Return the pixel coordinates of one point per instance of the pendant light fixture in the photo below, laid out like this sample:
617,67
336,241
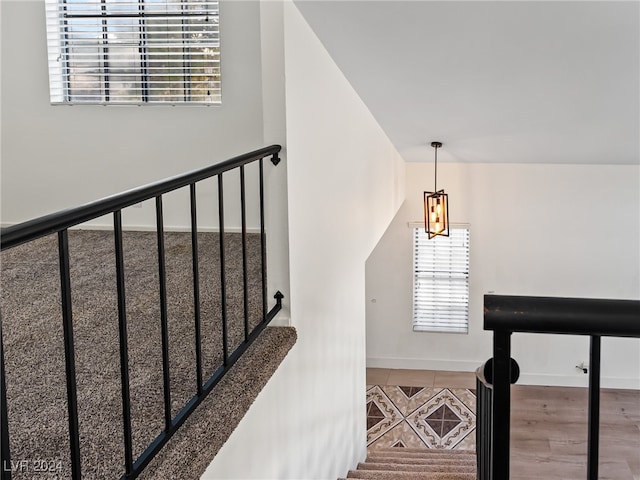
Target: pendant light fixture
436,206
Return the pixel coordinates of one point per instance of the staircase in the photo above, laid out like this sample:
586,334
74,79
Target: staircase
416,464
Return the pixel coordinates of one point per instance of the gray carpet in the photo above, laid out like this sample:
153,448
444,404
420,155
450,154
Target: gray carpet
32,332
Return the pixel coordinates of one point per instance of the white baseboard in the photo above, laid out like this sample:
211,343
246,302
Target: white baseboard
578,380
581,380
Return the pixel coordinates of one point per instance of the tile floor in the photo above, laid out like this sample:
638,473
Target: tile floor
549,424
420,409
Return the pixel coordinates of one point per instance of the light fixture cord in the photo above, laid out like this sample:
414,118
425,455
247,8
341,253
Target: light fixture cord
435,179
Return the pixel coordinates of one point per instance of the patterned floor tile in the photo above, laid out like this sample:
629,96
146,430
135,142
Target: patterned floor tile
382,416
443,422
407,399
420,417
402,435
467,443
468,397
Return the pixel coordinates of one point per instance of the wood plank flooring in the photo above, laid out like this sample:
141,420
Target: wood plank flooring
420,378
549,433
549,426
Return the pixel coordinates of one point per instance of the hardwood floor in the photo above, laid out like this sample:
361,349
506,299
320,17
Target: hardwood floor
420,378
549,426
549,433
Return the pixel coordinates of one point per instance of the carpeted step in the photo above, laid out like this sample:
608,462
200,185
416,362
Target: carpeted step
424,460
399,475
419,453
444,459
416,464
436,467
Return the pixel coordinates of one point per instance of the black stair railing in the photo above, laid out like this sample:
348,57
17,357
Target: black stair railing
505,315
60,222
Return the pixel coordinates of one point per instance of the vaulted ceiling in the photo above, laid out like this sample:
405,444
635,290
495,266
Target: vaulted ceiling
499,81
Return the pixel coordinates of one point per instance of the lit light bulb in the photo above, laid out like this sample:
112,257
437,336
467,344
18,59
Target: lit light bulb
439,207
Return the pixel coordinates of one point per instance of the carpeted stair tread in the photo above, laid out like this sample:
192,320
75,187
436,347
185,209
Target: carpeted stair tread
421,451
411,461
416,464
435,467
416,453
400,475
444,459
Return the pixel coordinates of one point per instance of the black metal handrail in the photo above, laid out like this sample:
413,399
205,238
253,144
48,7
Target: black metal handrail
60,222
573,316
505,315
55,222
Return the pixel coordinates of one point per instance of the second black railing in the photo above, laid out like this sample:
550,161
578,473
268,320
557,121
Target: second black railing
505,315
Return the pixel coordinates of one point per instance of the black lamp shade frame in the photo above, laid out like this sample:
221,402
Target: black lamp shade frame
438,223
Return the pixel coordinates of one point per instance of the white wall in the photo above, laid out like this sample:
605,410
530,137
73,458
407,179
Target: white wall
56,157
542,230
274,126
345,182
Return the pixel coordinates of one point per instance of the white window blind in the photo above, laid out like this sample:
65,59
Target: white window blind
134,51
441,281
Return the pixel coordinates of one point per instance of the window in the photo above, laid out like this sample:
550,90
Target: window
133,51
441,281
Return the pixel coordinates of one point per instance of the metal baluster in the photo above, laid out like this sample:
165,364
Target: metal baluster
196,286
482,433
488,448
479,430
124,349
223,278
501,404
245,280
163,314
594,408
488,399
263,244
69,355
5,456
